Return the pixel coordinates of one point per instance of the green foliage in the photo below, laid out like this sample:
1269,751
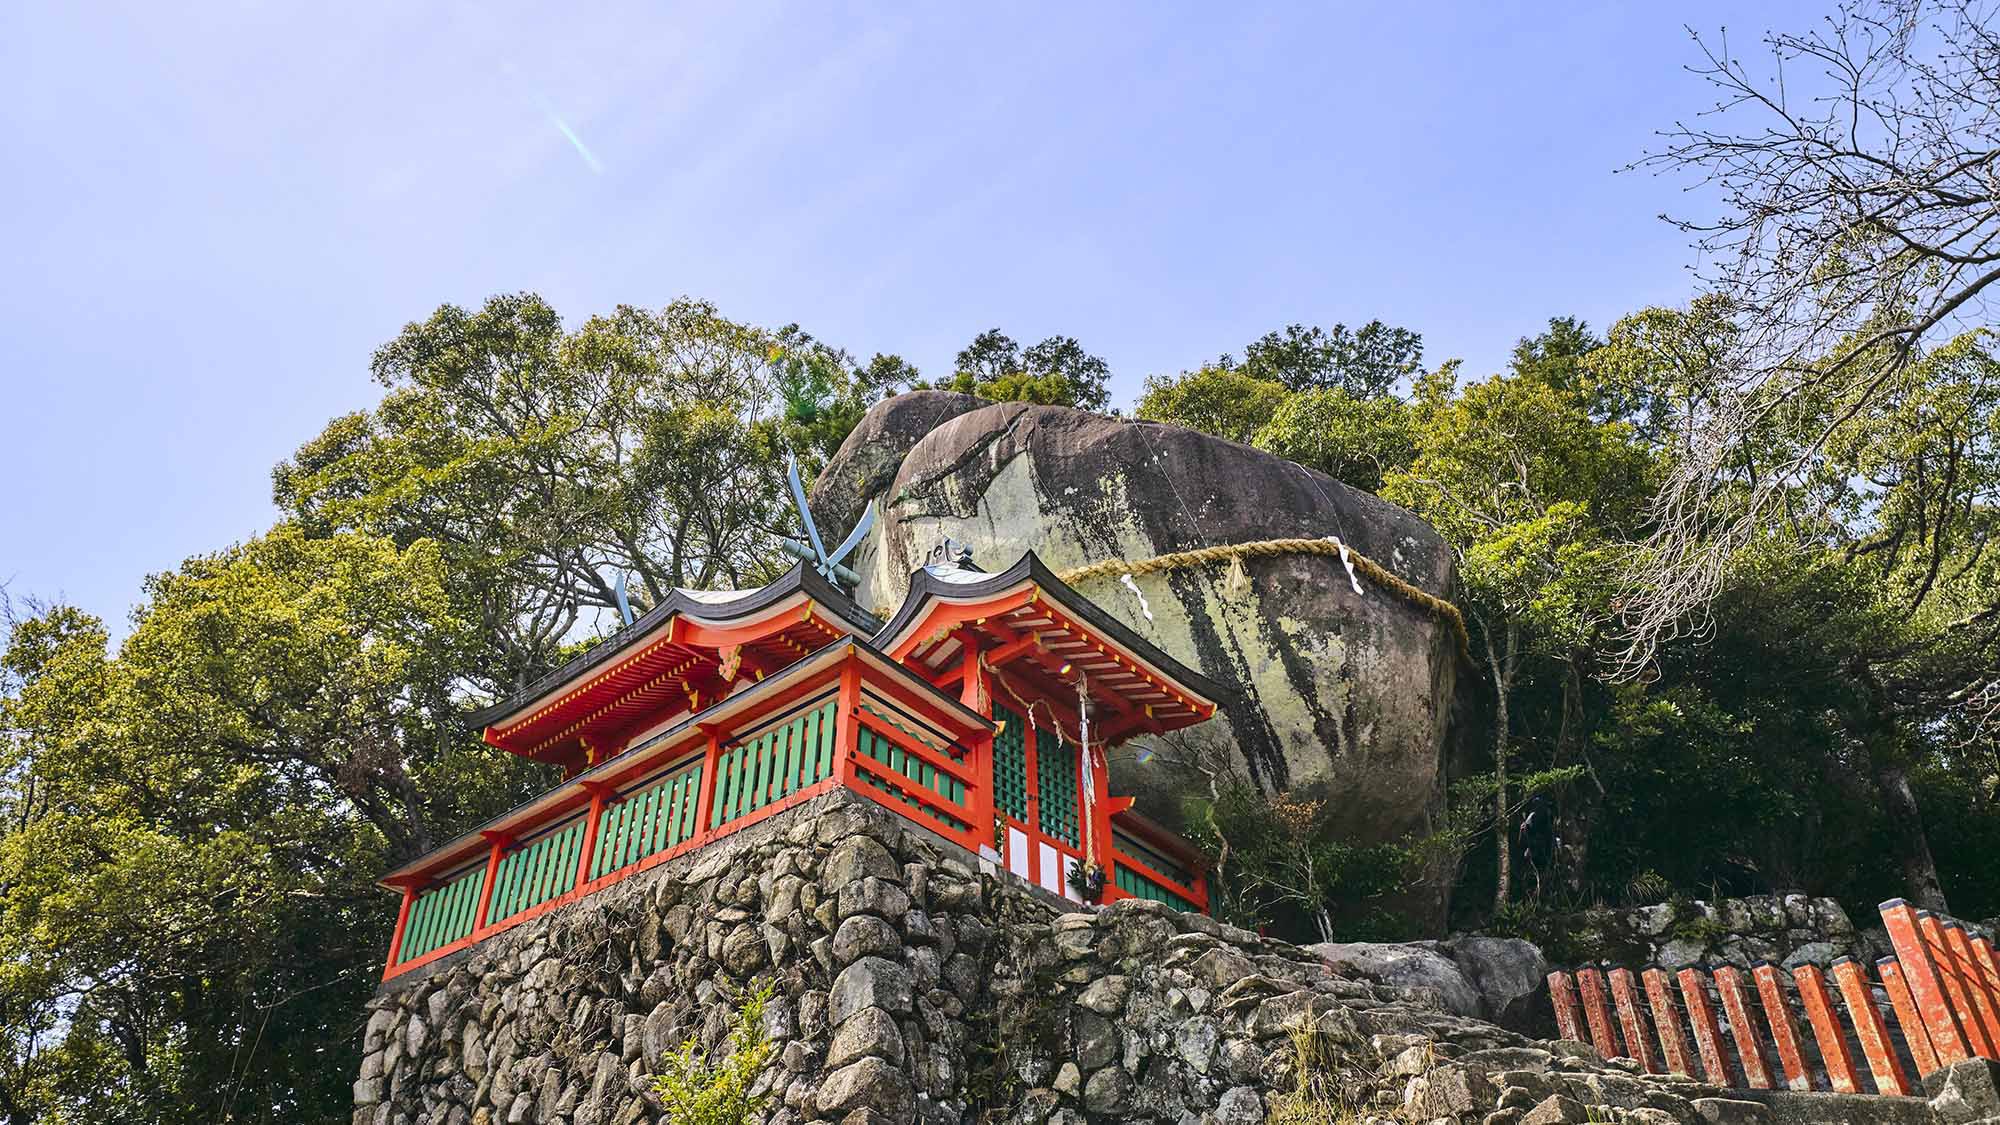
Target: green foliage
694,1091
1283,865
1055,372
194,826
1318,397
1218,400
1360,441
542,462
1365,362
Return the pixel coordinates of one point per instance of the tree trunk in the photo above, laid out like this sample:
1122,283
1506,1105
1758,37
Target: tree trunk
1881,741
1913,846
1502,665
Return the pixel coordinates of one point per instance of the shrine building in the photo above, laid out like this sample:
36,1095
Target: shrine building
981,711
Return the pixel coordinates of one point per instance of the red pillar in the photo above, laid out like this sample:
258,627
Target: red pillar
1729,985
1707,1034
402,923
1569,1015
1031,784
1869,1028
1952,975
1597,1012
1637,1042
847,728
1833,1050
974,694
1975,986
704,799
1908,1018
1667,1021
1926,984
1784,1030
589,850
499,844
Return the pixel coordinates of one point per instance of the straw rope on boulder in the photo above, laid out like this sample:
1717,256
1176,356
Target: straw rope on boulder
1375,572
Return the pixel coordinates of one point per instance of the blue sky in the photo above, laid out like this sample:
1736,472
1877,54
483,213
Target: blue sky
210,216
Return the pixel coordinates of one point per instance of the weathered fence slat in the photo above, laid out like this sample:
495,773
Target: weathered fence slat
1701,1017
1666,1020
1597,1012
1784,1029
1638,1044
1729,985
1869,1028
1833,1052
1569,1016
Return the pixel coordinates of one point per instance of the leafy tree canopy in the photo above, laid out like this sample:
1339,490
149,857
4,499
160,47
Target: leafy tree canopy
1364,362
1055,372
1223,401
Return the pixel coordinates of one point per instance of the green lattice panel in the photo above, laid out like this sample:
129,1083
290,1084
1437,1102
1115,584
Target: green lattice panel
774,764
442,915
1157,860
1137,885
1010,765
648,821
895,759
532,875
1055,775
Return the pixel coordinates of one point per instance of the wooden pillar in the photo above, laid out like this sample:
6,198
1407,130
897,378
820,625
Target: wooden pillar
1638,1044
1915,1034
974,694
1953,979
1031,802
1980,999
704,798
1784,1029
847,724
497,851
1667,1021
1597,1013
1707,1033
1833,1051
587,853
1569,1013
1926,986
402,924
1869,1028
1729,985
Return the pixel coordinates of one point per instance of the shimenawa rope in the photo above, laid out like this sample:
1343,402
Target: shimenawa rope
1275,548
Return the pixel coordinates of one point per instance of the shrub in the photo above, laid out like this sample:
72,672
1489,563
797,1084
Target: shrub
697,1092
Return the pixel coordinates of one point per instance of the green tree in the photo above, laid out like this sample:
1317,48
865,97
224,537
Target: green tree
1537,499
1216,400
1365,362
190,921
1055,372
543,463
1357,440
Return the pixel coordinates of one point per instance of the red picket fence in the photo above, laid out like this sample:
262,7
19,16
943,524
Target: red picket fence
1934,1003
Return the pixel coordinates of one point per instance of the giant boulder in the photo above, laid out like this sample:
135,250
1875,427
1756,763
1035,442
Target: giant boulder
1343,695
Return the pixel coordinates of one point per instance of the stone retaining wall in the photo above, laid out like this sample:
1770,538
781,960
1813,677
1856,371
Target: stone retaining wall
911,986
1784,929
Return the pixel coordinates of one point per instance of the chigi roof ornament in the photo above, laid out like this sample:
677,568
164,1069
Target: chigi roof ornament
950,552
828,565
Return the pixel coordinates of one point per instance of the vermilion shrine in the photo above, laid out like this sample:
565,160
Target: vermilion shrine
980,711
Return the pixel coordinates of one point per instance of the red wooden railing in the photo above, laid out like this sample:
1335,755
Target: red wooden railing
851,724
1935,1002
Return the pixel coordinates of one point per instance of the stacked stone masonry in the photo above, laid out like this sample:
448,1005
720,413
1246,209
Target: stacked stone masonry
912,986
